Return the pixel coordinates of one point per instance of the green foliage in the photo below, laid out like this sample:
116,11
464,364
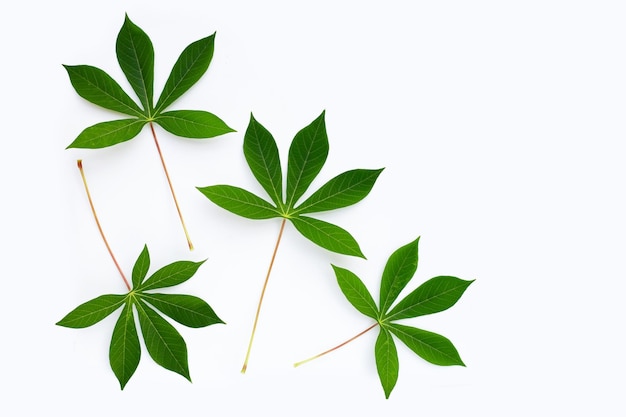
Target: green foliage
307,154
135,56
163,342
433,296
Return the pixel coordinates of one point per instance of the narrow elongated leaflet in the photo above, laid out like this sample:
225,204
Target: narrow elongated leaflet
140,270
387,362
190,66
261,152
356,292
98,87
188,310
92,311
436,294
163,342
430,346
125,352
307,155
398,271
135,55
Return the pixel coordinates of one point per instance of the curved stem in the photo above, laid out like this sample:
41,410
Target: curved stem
336,347
95,216
258,309
167,175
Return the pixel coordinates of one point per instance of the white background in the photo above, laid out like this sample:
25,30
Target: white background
501,125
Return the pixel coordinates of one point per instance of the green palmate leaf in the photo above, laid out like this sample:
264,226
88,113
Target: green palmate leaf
399,270
307,155
135,55
194,124
140,270
125,352
170,275
327,235
261,152
188,310
435,295
165,345
386,361
188,69
342,191
98,87
91,312
239,201
356,292
429,346
106,134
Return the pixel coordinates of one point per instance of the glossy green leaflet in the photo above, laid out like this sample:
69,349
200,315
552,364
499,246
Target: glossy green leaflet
307,155
135,55
433,296
164,344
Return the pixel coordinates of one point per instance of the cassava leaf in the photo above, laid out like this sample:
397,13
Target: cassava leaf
188,310
91,312
188,69
307,155
125,352
239,201
140,270
164,344
344,190
399,270
429,346
356,292
135,55
106,134
327,235
261,152
387,362
435,295
170,275
98,87
195,124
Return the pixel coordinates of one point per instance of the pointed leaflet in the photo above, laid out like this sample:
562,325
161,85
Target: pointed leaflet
190,66
261,152
195,124
91,312
106,134
188,310
125,352
140,270
435,295
429,346
239,201
165,345
98,87
170,275
356,292
342,191
399,270
307,155
327,235
386,361
135,55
